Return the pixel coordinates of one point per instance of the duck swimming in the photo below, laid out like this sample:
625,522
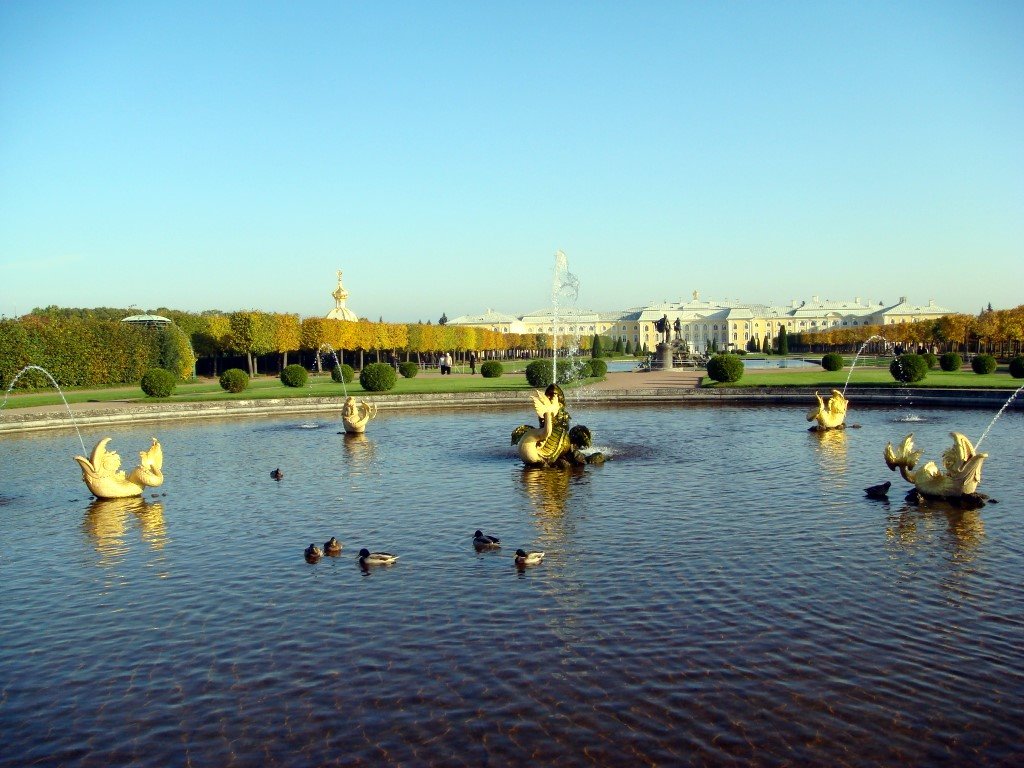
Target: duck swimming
482,541
313,553
366,557
528,558
277,474
332,548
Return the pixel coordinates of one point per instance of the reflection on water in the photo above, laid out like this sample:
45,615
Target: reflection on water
962,530
107,521
360,451
831,450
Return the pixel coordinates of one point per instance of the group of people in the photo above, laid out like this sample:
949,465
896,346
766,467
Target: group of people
445,363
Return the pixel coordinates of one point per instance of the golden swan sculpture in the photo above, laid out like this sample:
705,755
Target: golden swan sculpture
355,416
961,467
829,415
103,476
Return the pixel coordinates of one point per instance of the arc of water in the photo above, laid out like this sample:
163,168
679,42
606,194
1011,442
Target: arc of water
995,418
334,354
856,357
60,392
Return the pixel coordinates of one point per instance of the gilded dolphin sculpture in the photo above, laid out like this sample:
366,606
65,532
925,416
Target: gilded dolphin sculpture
829,415
103,476
961,467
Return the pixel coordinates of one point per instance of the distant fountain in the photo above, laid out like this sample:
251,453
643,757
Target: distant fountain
564,286
56,386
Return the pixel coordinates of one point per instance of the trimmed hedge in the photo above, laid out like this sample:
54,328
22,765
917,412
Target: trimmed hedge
157,382
982,364
492,369
931,359
1017,367
408,369
294,376
234,380
951,361
377,377
725,368
909,368
539,373
598,368
343,373
833,361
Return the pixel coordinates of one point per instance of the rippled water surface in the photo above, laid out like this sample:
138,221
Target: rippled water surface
721,592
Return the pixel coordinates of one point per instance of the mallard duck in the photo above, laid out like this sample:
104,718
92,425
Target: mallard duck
332,547
528,558
366,557
482,541
277,474
313,553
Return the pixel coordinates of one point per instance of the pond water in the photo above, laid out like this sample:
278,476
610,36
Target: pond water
720,592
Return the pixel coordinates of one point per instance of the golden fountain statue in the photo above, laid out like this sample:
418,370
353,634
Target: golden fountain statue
553,443
355,416
106,480
829,415
961,471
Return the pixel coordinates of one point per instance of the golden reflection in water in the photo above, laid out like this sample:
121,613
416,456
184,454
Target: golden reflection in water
916,525
107,521
832,451
360,451
548,489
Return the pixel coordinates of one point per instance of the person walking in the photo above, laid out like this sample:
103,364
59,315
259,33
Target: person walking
472,363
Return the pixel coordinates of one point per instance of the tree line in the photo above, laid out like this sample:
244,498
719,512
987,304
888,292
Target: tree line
86,347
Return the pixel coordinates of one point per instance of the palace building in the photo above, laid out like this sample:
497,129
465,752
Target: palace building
728,324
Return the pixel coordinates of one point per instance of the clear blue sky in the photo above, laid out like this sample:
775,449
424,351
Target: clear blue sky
235,155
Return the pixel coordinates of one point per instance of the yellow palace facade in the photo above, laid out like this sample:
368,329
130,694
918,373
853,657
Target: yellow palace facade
700,322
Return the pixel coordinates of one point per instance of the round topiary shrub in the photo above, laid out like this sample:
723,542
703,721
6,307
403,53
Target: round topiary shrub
983,364
833,361
234,380
725,368
377,377
157,382
1017,367
584,370
931,359
294,376
539,373
408,369
908,368
343,373
950,361
598,368
492,369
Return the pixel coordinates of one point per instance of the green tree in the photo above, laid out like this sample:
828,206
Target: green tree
783,341
595,346
252,335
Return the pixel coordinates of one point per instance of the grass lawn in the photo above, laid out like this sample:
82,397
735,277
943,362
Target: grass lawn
870,377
